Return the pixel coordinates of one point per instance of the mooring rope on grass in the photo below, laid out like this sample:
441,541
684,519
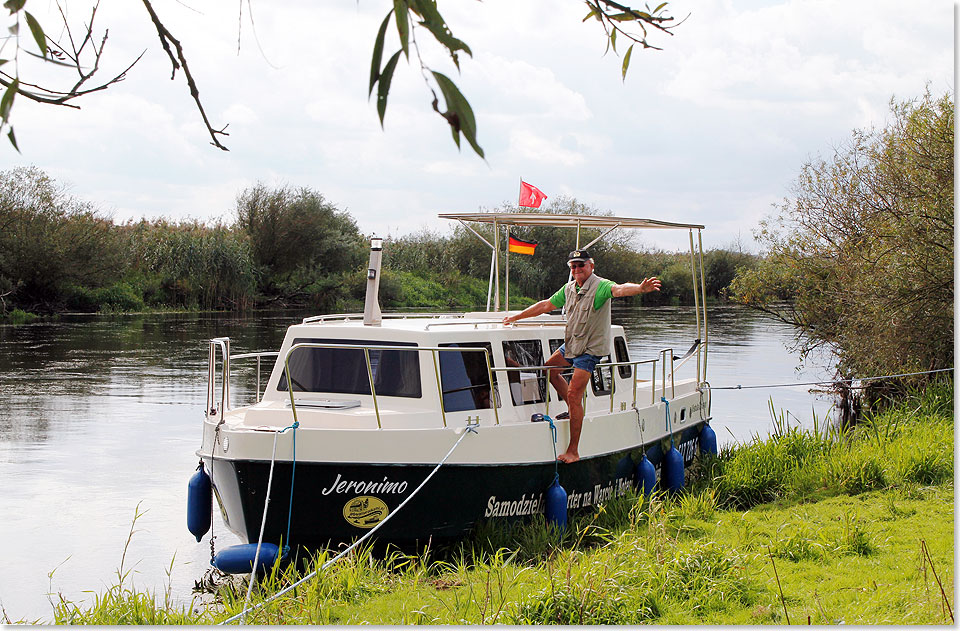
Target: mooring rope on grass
830,383
266,506
246,610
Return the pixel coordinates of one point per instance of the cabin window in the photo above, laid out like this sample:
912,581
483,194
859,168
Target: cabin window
600,379
623,355
464,378
554,345
396,373
525,386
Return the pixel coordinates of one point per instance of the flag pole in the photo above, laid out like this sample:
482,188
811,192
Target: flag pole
493,259
506,291
496,252
506,288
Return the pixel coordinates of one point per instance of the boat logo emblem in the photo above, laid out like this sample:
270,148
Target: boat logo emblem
365,511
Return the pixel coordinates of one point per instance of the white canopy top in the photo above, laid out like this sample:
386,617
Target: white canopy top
567,221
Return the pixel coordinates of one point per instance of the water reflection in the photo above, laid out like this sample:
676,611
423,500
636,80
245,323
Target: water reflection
745,348
103,413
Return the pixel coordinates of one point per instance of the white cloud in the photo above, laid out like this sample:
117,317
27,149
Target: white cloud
240,115
550,151
518,89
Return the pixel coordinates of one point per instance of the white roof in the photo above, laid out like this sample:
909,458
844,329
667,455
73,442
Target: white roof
567,221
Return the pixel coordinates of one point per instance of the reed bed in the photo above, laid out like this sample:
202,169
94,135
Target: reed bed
810,526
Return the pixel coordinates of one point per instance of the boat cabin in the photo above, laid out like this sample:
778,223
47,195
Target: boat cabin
429,371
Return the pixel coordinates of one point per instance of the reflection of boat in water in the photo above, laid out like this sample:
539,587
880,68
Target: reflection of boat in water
359,410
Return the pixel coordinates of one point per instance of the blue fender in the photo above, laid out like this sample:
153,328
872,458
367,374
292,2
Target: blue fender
708,440
239,559
198,503
646,476
671,471
556,505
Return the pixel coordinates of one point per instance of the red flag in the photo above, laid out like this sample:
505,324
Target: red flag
522,247
530,195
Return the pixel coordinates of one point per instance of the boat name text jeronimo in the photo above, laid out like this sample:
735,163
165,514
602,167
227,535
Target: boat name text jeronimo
365,486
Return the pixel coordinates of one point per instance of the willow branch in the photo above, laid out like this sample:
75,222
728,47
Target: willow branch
641,19
50,96
180,61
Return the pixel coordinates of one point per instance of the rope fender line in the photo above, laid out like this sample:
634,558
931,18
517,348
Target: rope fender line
246,610
830,383
553,431
266,506
669,420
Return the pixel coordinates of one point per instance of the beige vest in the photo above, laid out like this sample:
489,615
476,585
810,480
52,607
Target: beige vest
588,330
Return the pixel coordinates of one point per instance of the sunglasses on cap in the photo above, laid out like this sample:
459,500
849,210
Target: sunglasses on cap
575,264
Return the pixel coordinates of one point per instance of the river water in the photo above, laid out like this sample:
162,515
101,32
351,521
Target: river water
101,418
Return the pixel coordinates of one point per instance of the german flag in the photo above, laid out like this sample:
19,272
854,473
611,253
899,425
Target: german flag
522,247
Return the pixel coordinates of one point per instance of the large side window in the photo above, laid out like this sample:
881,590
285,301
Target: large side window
599,380
623,355
601,377
396,373
464,378
554,345
525,386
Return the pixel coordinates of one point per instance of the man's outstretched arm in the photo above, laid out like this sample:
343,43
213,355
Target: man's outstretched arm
539,308
632,289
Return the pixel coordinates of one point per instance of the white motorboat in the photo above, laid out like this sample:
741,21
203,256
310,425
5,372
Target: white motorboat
378,401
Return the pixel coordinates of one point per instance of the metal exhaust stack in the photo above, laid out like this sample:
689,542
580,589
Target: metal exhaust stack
371,308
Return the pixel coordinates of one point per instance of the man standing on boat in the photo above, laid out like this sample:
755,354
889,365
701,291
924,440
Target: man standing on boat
587,338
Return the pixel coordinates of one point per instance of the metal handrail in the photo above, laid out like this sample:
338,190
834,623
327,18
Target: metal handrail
224,344
612,365
258,355
394,316
663,369
497,320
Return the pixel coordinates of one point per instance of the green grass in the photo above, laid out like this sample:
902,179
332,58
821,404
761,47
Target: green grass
811,526
19,316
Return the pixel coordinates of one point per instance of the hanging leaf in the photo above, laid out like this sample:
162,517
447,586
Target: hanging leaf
6,103
459,114
50,60
37,32
434,22
13,140
378,53
14,5
384,88
401,10
626,61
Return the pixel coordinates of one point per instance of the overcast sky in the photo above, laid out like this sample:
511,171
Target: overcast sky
712,129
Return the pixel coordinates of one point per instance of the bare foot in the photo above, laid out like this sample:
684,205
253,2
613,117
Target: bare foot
568,457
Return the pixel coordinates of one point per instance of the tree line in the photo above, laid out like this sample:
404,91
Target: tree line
860,256
284,247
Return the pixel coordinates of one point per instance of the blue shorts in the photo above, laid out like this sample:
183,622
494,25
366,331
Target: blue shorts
584,362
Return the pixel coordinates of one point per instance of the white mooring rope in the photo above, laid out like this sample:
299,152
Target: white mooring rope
830,383
263,522
246,610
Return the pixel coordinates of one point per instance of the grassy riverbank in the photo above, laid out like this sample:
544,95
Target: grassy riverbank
811,526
